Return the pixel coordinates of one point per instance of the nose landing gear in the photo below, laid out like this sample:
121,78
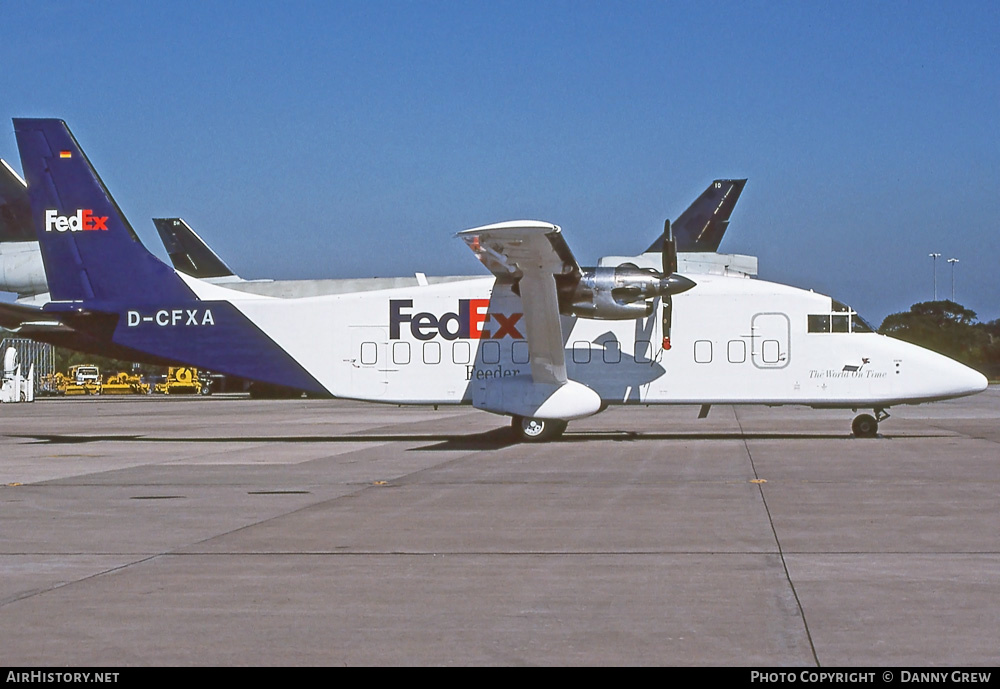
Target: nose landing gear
866,425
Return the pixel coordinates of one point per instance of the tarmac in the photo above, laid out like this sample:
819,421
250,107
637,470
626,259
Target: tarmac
230,531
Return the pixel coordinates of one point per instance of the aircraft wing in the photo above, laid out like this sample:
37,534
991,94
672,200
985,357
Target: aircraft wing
531,254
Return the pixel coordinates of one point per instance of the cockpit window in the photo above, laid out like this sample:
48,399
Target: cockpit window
841,319
819,323
860,325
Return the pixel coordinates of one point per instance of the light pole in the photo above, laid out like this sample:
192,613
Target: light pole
953,261
934,258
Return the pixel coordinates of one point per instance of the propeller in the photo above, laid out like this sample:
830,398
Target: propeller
669,268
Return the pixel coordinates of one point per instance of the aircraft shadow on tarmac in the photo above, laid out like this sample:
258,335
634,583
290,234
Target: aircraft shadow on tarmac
494,439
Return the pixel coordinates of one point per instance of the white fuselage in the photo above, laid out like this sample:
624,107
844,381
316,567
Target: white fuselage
734,340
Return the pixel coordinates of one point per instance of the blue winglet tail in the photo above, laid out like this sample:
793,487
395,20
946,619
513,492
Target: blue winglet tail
702,225
188,252
89,248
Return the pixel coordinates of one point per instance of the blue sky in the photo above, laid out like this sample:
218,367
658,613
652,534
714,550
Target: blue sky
342,139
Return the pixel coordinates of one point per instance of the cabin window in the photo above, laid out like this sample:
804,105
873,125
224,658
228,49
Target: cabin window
519,353
432,352
400,352
703,352
369,353
461,353
642,352
737,351
840,323
612,352
581,352
491,352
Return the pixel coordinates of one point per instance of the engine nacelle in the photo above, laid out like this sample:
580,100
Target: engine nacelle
21,268
625,292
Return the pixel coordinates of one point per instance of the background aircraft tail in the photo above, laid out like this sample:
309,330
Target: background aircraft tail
702,225
188,252
15,210
89,249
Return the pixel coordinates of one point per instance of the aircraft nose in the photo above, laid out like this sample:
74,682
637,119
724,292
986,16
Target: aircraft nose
965,380
975,380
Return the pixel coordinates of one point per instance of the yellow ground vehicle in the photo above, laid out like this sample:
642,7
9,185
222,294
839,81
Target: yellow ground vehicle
182,380
124,384
49,384
82,379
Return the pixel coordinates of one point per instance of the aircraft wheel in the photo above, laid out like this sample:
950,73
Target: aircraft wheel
865,426
537,430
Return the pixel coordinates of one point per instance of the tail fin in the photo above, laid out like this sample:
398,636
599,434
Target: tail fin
89,249
188,252
702,225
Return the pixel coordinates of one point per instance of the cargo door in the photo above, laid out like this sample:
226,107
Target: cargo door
369,362
769,340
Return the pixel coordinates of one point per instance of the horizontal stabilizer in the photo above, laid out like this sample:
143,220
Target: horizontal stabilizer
13,316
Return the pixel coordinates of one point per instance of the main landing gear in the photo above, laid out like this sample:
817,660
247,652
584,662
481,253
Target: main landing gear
536,430
866,425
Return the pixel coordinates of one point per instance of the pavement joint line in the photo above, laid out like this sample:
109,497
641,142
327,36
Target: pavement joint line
48,589
777,542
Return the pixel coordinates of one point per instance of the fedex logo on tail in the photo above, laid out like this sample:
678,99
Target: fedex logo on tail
84,220
472,321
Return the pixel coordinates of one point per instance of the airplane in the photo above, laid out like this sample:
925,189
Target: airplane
542,340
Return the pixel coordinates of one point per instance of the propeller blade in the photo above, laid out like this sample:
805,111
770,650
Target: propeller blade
669,249
678,283
668,307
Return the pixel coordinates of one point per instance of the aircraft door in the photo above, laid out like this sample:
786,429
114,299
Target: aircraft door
369,362
769,340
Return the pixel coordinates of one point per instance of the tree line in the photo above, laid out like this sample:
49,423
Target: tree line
950,329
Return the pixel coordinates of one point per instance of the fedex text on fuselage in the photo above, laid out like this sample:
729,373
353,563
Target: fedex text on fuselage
470,321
